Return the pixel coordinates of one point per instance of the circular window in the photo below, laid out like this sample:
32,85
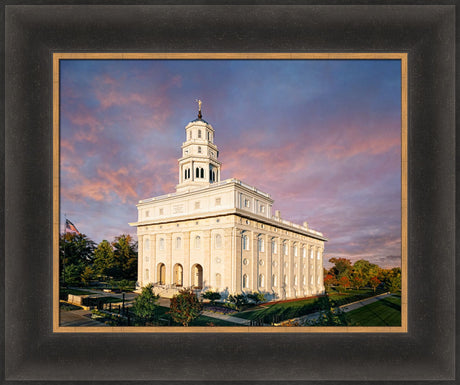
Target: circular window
261,262
218,260
245,261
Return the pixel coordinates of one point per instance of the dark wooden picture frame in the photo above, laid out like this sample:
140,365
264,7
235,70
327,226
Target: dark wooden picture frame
33,352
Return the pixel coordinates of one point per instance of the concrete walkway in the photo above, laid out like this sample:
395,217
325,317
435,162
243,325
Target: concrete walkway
355,305
128,296
77,318
226,317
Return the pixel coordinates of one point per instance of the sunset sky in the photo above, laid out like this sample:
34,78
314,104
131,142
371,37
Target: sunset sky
322,137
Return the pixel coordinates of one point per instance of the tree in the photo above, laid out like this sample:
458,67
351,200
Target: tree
213,296
365,270
257,297
342,267
104,260
374,282
145,305
395,284
185,307
87,275
75,253
330,280
125,253
76,248
71,274
357,281
344,282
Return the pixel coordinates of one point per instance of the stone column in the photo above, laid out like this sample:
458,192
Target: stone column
168,253
253,286
207,258
153,258
227,260
140,260
238,265
281,291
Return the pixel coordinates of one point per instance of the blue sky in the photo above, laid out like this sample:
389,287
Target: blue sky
321,136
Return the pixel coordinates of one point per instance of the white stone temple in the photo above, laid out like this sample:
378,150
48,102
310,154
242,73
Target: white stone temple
222,235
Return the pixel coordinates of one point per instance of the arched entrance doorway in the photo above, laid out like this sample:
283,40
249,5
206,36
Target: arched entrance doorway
178,275
161,273
197,276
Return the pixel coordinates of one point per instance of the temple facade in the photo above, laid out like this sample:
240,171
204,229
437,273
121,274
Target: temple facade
213,234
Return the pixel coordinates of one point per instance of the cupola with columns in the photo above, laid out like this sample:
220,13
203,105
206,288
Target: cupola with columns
198,166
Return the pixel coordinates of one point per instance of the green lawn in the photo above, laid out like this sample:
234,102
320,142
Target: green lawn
286,310
385,312
281,311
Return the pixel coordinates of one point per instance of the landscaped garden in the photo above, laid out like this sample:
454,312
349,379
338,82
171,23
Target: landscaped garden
284,310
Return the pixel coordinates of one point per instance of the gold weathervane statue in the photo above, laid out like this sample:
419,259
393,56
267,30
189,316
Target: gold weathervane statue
199,107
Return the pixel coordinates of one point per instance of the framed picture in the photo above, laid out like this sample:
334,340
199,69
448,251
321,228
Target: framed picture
36,36
219,235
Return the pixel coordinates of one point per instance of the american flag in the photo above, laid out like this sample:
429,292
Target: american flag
70,227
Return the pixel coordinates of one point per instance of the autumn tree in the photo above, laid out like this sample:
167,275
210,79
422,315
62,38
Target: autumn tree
357,281
374,282
185,307
344,282
330,280
365,270
342,267
145,305
395,284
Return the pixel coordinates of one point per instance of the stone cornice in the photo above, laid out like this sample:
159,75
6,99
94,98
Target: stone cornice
237,212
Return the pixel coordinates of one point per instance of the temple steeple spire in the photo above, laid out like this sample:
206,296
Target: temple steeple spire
198,166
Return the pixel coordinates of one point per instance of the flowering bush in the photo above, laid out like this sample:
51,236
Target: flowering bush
220,310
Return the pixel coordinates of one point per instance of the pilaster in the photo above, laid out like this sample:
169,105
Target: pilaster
186,275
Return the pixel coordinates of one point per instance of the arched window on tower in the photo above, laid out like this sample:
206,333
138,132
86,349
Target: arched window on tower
199,150
178,243
199,133
209,135
197,242
213,176
185,174
197,172
202,172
